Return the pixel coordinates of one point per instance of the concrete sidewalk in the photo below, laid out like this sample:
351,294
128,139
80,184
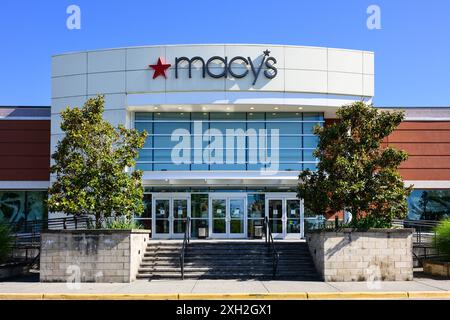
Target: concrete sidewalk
226,287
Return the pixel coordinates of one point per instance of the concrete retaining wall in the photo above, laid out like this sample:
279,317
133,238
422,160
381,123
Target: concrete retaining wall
437,268
378,254
91,255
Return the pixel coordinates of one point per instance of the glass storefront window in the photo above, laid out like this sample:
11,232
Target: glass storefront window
296,140
145,220
20,206
429,204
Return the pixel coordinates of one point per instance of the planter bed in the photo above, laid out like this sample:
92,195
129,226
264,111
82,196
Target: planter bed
91,255
351,255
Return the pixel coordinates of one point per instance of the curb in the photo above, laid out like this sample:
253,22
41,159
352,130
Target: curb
234,296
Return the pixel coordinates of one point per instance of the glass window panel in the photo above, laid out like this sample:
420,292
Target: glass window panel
285,141
162,226
199,167
251,116
144,166
429,204
141,126
310,166
179,209
256,126
276,226
312,116
179,226
284,116
164,142
256,205
293,209
219,226
170,166
290,155
255,167
237,209
275,209
12,206
308,155
169,116
219,208
200,116
310,141
308,127
143,116
36,209
162,209
234,116
223,126
228,167
145,155
170,127
147,206
163,155
290,166
293,225
199,205
237,226
285,127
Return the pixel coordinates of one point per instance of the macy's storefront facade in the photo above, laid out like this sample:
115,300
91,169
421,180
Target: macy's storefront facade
230,126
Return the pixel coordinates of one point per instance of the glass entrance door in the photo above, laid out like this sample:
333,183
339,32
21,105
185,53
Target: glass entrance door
275,207
219,217
171,212
285,217
161,222
228,216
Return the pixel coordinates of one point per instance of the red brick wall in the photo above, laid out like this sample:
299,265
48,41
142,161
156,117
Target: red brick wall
24,150
428,146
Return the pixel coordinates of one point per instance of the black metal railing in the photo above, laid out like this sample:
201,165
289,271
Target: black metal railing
27,234
271,246
424,246
187,237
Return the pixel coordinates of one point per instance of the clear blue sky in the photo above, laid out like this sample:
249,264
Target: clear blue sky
412,49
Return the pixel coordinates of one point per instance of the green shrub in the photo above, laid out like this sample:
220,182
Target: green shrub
6,241
122,224
442,238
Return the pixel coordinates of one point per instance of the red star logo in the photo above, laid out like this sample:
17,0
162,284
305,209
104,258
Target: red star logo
160,68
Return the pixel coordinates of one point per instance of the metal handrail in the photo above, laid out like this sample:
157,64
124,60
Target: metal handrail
424,238
27,234
187,236
270,243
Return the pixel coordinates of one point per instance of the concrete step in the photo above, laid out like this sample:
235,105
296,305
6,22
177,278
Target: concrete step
213,262
226,260
261,276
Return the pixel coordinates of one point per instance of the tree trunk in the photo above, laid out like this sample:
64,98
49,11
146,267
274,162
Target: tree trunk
98,222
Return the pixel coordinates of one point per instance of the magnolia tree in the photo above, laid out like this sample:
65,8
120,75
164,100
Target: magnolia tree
355,172
91,164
